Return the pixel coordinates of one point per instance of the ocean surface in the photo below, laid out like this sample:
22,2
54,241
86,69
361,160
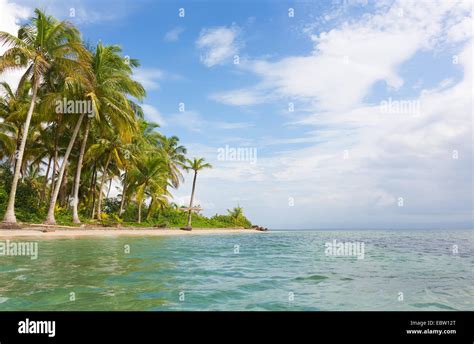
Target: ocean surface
274,271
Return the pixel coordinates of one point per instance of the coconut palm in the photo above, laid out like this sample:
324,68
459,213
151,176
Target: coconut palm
145,142
54,152
236,214
13,106
197,164
70,87
7,143
110,150
111,85
42,43
147,179
175,157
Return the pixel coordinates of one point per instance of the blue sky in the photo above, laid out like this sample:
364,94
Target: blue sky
308,95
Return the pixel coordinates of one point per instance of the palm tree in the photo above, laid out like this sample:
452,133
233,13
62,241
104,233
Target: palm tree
236,214
77,178
13,106
53,152
43,152
175,156
197,164
145,142
111,85
71,87
40,44
7,143
110,149
148,180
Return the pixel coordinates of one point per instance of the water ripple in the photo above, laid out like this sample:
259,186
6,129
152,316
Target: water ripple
276,271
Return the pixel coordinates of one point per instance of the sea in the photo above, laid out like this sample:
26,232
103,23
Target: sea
286,270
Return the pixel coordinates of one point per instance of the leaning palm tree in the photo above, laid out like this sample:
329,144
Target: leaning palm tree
197,164
71,87
111,149
111,86
147,179
40,44
145,142
175,156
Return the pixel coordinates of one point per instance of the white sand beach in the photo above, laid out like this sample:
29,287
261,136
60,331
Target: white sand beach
50,233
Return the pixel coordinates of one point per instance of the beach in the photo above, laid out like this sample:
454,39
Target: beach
51,233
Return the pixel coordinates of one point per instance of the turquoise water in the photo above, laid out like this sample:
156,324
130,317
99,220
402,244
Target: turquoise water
271,271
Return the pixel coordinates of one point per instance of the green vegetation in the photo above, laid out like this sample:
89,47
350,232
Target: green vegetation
73,129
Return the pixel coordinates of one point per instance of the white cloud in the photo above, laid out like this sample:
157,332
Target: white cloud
173,34
149,77
349,59
240,97
82,12
152,114
388,156
460,31
10,16
190,120
218,45
184,201
358,160
193,121
233,125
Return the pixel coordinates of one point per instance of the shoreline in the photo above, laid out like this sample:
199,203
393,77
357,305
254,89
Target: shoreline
50,233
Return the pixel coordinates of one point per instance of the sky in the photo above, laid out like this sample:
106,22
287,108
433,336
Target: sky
345,114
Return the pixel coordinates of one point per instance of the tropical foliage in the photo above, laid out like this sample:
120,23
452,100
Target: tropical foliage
73,136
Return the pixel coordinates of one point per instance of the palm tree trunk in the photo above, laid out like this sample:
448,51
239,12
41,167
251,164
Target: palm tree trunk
45,183
124,190
191,200
17,148
92,189
55,161
77,179
9,218
52,204
148,213
139,212
102,182
110,187
63,187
